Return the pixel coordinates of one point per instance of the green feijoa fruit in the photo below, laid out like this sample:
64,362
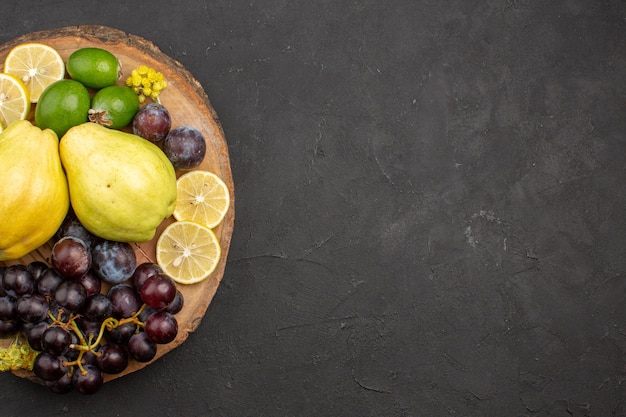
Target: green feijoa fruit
62,105
93,67
114,106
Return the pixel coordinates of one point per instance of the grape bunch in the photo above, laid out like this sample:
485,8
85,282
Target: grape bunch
91,312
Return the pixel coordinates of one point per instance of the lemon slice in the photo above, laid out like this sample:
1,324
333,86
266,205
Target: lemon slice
188,252
14,100
202,197
37,65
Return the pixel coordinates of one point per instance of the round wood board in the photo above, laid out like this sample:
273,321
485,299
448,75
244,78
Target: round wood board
189,105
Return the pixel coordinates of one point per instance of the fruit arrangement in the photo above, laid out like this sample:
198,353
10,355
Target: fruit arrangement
116,217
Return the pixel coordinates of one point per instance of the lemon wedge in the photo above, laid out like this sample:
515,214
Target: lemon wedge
37,65
188,252
14,100
201,197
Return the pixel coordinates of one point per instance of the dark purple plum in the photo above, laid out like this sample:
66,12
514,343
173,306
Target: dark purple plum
114,262
185,147
152,122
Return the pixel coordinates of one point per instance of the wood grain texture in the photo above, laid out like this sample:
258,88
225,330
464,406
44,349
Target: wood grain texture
189,105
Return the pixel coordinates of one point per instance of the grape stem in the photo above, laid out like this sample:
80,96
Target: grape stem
90,345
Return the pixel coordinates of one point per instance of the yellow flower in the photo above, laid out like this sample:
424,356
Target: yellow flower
17,356
146,82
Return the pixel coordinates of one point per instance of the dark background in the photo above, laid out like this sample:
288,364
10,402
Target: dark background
430,215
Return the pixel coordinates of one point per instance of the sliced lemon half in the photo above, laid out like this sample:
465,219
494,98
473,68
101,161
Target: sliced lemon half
188,252
14,100
202,197
37,65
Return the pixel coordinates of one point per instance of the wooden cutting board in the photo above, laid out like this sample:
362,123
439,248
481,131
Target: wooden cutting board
189,105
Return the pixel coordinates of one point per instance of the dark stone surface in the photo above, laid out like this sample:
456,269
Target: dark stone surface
430,209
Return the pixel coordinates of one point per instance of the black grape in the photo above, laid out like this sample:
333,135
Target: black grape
56,341
90,382
121,334
177,303
143,272
8,308
161,327
32,308
8,328
49,367
71,257
141,348
158,291
36,268
113,358
34,333
71,295
91,282
48,282
97,307
62,385
124,299
18,280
